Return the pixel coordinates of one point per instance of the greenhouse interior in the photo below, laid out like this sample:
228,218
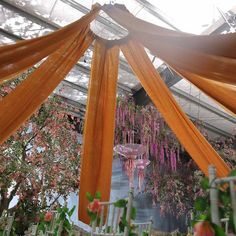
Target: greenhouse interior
117,118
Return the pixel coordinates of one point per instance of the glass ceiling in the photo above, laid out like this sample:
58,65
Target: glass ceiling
25,19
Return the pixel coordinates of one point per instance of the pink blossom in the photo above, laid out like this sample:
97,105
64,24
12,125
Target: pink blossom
48,216
94,206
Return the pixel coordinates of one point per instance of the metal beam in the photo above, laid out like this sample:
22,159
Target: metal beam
168,76
204,124
75,86
210,127
154,11
113,27
205,105
141,98
42,21
79,105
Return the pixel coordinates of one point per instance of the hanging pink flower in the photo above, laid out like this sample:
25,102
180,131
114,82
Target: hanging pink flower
94,206
48,216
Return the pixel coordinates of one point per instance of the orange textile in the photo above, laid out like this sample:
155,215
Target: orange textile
220,44
195,144
97,154
20,104
224,94
211,57
17,57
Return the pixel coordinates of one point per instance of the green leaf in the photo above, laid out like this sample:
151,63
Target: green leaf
70,213
202,217
93,217
109,229
205,183
144,233
225,198
121,203
133,213
89,197
89,213
219,231
132,234
231,221
98,195
232,173
67,225
201,204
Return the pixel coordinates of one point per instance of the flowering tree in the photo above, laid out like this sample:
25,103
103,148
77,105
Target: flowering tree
40,161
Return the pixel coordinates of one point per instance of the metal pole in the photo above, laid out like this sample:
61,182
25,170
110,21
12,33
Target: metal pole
213,196
129,209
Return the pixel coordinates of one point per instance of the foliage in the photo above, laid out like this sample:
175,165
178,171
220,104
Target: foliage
173,179
202,206
40,161
61,218
121,203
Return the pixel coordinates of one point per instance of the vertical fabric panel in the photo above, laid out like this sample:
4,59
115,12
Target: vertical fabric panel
189,136
21,103
15,58
98,138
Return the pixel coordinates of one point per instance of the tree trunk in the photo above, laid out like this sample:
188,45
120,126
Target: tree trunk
4,204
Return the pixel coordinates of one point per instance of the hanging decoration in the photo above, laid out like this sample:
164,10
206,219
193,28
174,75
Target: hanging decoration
146,126
129,153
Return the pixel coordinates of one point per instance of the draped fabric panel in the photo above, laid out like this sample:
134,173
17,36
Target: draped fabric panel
220,45
216,68
97,154
203,60
224,94
188,135
21,103
15,58
184,51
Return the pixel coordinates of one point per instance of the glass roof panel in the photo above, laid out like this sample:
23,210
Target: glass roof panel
20,25
193,16
5,40
63,14
39,7
189,88
71,93
197,112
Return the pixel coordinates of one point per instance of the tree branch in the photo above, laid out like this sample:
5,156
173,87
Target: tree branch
34,136
13,192
54,201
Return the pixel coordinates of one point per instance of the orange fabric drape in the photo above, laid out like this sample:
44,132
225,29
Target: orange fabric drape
97,154
17,57
195,54
201,59
220,45
196,145
20,104
213,89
